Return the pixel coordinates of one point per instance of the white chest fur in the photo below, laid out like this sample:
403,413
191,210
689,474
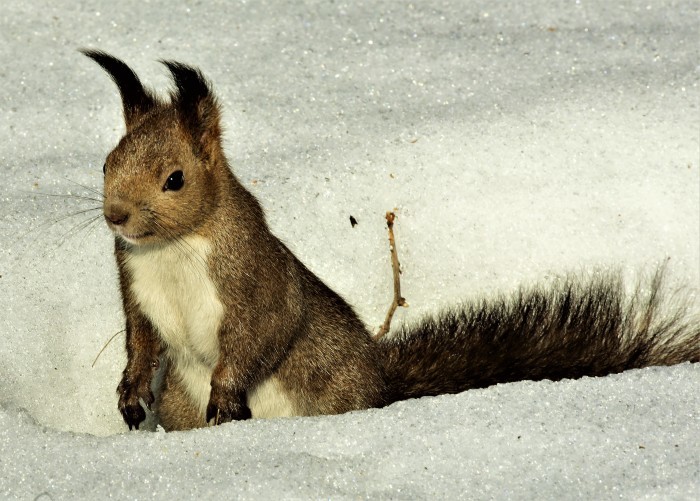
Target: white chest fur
174,290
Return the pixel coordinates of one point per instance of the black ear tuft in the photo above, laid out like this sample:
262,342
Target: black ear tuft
196,106
191,86
135,98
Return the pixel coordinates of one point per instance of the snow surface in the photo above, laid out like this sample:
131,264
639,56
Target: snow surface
517,140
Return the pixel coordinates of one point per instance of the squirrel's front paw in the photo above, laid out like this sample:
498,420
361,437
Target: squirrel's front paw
226,406
130,391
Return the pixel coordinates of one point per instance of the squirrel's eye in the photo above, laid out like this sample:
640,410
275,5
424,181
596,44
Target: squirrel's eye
175,181
104,168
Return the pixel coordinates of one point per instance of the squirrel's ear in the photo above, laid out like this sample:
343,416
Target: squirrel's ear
197,108
135,98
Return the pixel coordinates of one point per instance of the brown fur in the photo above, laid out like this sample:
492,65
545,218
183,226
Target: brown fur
279,319
174,407
571,329
279,324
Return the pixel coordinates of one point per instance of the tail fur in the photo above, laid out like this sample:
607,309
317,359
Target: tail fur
578,327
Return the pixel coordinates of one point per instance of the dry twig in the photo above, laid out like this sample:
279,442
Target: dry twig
105,346
396,268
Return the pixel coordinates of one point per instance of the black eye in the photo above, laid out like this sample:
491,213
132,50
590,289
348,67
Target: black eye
104,168
175,181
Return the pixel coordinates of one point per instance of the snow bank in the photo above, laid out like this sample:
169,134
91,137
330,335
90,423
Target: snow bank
631,435
518,141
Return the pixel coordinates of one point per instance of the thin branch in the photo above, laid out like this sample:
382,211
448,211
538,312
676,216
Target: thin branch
105,346
396,268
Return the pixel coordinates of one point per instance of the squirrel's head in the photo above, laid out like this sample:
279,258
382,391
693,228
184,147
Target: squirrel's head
160,182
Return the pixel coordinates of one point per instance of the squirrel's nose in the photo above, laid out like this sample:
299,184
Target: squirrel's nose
116,215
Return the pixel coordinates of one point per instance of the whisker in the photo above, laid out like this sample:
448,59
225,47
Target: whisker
190,228
49,224
183,247
53,222
88,209
63,195
170,219
68,196
90,227
74,230
88,188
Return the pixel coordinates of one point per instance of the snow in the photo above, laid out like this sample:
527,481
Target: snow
593,439
517,141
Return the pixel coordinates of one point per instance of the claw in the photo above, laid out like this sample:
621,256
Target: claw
133,397
213,413
228,413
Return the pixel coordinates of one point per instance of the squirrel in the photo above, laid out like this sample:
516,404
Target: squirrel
237,327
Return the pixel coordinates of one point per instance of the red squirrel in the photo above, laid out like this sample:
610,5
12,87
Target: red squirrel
241,328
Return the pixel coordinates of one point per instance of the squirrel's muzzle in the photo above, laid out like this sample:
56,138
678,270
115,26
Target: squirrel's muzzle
116,215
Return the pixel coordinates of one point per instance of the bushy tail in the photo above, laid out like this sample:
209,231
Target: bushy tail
579,327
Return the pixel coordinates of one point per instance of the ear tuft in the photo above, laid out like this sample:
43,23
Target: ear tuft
136,100
191,85
197,108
